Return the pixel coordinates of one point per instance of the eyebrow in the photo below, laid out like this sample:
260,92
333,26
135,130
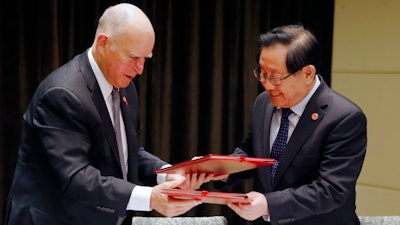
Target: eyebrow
134,54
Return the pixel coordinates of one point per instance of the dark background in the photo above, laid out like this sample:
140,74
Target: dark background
197,91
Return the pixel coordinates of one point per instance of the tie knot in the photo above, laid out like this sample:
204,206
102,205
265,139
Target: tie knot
286,112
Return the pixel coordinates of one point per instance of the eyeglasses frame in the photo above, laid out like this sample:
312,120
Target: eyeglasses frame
270,77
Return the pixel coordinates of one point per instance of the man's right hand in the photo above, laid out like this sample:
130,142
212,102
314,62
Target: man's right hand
169,206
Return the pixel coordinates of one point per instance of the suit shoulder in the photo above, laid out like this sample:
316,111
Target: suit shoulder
339,100
262,97
69,76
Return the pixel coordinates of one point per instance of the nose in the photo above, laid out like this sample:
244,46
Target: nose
268,85
139,65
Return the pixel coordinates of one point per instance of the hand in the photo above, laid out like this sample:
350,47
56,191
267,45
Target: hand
212,176
169,206
195,180
258,207
191,181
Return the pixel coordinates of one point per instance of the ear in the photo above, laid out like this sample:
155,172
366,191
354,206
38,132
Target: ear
310,72
102,41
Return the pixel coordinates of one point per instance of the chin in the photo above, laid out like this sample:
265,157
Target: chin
277,103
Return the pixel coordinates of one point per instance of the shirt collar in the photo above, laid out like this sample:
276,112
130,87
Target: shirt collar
299,108
105,87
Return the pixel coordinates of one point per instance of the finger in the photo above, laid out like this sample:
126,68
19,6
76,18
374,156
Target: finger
235,208
245,214
174,176
187,181
201,179
190,180
220,177
173,183
208,178
177,207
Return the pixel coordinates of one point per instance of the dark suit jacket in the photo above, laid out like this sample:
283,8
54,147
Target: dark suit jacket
316,177
68,169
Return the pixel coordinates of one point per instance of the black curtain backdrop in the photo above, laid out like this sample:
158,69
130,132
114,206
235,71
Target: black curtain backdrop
197,91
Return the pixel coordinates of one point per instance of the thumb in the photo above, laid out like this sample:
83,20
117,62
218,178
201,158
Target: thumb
173,183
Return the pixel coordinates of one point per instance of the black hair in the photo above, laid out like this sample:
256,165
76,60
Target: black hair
303,46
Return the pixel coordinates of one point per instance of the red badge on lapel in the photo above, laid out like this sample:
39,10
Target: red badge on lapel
125,100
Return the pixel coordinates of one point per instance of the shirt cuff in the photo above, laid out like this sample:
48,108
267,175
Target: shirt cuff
161,177
140,199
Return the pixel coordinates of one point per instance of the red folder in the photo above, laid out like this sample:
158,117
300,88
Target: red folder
221,198
217,164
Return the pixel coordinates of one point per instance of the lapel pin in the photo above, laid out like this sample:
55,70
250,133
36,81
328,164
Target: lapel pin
314,116
125,100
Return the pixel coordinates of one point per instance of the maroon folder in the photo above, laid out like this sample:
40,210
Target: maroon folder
221,198
217,164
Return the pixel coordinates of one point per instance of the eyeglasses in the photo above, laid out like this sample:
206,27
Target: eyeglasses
275,80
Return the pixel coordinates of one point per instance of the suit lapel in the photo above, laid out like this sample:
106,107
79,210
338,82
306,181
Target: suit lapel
304,128
269,111
98,101
108,127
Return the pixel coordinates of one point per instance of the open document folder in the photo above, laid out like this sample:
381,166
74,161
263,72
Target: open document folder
217,164
221,198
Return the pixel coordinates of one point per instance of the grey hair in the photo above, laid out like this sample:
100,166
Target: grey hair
114,21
